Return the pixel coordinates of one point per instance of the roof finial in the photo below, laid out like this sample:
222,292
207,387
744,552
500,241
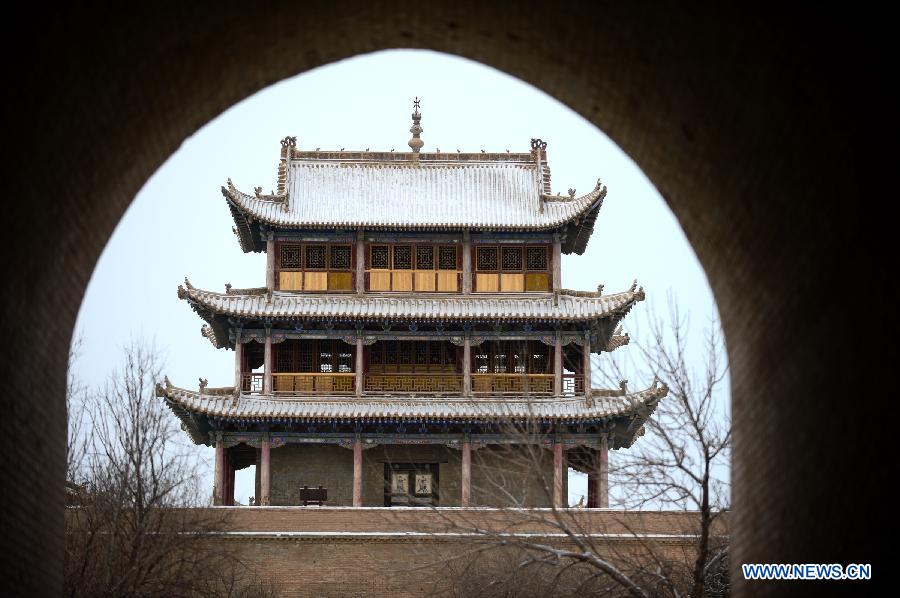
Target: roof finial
416,143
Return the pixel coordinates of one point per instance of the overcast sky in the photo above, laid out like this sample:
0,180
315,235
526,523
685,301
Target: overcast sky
179,224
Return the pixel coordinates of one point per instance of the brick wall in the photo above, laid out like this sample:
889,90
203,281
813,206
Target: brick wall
330,551
500,475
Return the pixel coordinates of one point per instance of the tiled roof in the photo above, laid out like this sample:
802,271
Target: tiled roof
378,190
565,306
257,407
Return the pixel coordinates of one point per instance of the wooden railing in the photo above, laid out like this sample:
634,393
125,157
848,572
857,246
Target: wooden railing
252,383
315,383
572,385
413,383
419,383
504,384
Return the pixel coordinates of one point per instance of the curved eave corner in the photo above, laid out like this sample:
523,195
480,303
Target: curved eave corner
642,413
579,230
188,423
246,227
213,330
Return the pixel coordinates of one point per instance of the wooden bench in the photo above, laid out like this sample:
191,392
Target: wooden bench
313,496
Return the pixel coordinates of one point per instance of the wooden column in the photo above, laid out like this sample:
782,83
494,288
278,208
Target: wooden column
359,366
357,473
557,263
467,263
219,480
557,365
558,472
360,263
267,364
238,359
265,487
603,474
586,367
270,262
467,366
466,473
229,487
592,485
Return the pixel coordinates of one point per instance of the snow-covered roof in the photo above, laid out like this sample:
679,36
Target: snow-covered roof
261,408
405,190
566,306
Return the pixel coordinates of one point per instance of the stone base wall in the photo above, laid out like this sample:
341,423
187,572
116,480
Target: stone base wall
327,551
501,476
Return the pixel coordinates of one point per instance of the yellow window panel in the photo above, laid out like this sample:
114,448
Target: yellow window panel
537,282
290,281
315,281
487,283
340,281
512,283
401,281
425,281
380,281
447,282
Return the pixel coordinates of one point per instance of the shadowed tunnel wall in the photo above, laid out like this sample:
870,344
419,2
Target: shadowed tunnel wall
742,121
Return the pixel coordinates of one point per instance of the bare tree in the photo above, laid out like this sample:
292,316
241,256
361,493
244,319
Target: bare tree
681,463
134,529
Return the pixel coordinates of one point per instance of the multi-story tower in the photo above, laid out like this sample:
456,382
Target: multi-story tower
412,307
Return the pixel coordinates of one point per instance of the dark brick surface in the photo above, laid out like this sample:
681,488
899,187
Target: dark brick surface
756,127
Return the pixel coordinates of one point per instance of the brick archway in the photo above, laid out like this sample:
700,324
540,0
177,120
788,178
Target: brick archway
735,118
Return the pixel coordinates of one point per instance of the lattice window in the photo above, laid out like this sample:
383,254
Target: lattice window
447,258
345,362
405,353
512,258
536,258
376,354
540,360
424,257
290,256
520,361
486,258
402,257
434,356
420,354
390,352
340,257
381,257
500,363
481,361
315,257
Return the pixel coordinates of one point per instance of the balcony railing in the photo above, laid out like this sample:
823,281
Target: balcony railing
252,383
413,383
512,384
314,383
572,385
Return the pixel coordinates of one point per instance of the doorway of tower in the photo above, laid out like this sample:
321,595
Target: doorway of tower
410,484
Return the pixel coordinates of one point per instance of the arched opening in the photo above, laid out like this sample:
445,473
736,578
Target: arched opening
635,235
724,113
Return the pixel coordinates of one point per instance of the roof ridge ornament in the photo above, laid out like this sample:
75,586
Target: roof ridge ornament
416,143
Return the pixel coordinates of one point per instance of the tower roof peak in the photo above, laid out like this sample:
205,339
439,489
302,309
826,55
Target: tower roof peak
416,143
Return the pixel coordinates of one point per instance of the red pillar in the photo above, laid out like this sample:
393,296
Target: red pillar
358,366
229,494
558,470
264,479
557,365
466,473
219,487
357,473
603,475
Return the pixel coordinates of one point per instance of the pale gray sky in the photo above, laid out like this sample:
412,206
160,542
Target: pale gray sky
179,224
